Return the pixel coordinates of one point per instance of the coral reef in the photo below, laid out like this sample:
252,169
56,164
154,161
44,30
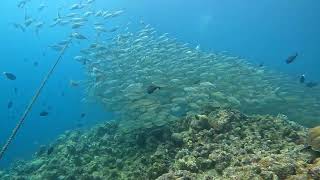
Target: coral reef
218,143
314,138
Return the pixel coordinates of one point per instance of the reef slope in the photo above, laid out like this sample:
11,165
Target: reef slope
219,143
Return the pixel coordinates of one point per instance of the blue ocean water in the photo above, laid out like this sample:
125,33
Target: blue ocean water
262,31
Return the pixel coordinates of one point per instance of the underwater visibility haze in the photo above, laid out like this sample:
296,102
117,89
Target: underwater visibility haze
170,89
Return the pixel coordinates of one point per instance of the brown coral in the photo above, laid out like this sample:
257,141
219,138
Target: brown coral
314,138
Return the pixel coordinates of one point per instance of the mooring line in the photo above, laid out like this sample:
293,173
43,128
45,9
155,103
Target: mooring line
33,100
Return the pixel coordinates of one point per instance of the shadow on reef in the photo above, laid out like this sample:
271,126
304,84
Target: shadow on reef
219,143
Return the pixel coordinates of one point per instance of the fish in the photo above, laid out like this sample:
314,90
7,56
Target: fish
38,26
19,26
77,6
131,59
261,64
113,29
78,36
117,13
27,19
291,58
83,115
10,76
64,22
76,25
35,64
56,22
41,7
90,1
198,47
88,13
100,29
10,104
22,3
311,84
302,79
28,22
78,20
74,83
44,113
15,90
98,14
56,47
71,15
152,88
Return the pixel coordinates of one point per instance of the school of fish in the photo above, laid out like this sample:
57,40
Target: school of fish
146,77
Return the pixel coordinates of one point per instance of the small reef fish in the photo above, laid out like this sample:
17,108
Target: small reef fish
10,76
64,42
291,59
44,113
152,88
302,79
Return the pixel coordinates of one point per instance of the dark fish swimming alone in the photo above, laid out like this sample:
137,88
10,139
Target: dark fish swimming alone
311,84
83,115
15,90
152,88
44,113
302,79
10,104
35,64
291,58
261,64
10,76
